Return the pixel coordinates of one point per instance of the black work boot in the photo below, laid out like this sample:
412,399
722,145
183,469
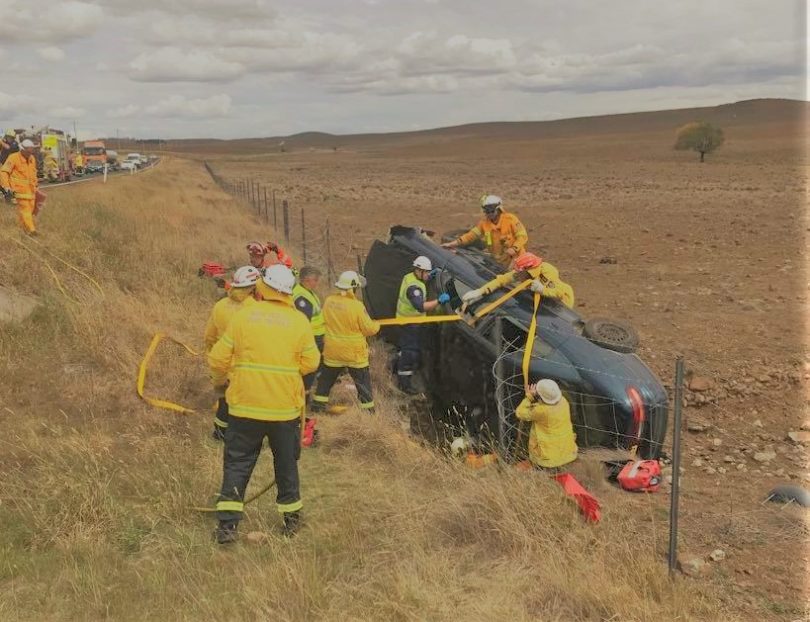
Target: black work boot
226,532
292,522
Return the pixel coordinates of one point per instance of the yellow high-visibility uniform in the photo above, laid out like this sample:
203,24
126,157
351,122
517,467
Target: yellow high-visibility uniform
266,349
498,237
307,300
552,442
548,275
19,173
223,311
347,326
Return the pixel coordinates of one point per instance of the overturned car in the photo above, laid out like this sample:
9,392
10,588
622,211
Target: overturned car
474,368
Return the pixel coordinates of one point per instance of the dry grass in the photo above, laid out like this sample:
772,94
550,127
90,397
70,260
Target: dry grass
97,488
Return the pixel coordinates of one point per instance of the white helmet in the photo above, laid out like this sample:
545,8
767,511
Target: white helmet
549,391
423,263
246,276
459,446
490,201
280,278
350,280
27,144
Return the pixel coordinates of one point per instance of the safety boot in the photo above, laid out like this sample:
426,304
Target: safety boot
225,533
292,523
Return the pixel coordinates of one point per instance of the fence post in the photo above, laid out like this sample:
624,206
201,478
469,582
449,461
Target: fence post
304,235
285,208
330,273
676,467
275,213
265,205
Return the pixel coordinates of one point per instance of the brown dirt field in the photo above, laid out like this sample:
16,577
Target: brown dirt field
710,264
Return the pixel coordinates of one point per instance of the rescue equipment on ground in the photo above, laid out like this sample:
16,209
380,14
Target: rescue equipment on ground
640,476
212,270
310,435
588,504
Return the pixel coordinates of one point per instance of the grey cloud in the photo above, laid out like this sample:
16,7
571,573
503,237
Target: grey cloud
51,22
171,64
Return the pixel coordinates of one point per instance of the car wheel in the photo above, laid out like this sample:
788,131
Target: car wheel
612,335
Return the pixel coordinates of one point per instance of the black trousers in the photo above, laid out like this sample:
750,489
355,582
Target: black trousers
243,444
410,351
326,380
309,379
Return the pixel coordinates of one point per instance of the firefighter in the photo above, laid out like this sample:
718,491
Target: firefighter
261,257
552,442
266,349
545,277
78,164
503,234
50,165
345,346
18,180
308,303
412,302
240,294
8,145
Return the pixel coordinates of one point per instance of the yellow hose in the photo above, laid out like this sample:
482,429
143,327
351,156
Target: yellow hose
142,375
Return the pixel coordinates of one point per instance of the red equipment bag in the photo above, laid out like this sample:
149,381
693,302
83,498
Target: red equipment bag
640,476
310,436
39,201
589,505
212,269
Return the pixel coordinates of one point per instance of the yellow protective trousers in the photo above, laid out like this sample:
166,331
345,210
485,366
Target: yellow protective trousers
25,214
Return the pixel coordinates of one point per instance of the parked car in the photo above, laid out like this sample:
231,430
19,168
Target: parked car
135,158
128,165
93,166
616,400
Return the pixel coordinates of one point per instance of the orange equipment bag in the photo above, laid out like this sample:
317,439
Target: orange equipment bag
211,269
39,201
640,476
310,435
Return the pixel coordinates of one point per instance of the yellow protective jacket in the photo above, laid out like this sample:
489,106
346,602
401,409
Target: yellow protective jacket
265,350
507,233
347,326
20,174
552,441
548,275
222,313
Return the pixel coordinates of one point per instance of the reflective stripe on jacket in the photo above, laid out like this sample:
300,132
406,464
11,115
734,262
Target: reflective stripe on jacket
507,233
552,441
20,174
265,350
318,325
347,326
222,313
548,275
405,307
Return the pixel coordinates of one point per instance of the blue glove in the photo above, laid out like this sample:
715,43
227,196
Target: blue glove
444,299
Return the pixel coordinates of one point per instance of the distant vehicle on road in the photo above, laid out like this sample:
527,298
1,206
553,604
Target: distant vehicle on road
135,158
94,151
94,166
128,165
112,160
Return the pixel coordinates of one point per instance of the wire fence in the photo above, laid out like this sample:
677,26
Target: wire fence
598,420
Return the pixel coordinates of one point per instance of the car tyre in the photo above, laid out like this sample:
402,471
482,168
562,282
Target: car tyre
612,335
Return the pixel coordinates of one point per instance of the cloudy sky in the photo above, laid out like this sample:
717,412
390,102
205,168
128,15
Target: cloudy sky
237,68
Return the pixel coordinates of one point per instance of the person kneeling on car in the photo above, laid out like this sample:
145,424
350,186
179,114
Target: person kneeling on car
412,303
545,277
552,442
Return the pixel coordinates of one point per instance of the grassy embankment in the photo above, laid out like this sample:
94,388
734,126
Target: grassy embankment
96,491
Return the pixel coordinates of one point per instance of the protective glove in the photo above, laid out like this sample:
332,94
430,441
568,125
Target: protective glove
444,298
472,296
536,287
433,273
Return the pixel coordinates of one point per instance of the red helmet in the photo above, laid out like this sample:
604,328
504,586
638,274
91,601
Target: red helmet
527,261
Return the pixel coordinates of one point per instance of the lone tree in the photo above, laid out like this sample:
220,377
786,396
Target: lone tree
699,136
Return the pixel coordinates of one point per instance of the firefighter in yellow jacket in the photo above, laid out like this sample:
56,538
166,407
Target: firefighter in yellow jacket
502,233
308,303
345,347
18,180
552,442
239,295
545,277
266,349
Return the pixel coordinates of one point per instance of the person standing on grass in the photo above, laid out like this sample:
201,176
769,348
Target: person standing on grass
240,295
345,347
552,441
262,356
18,180
308,303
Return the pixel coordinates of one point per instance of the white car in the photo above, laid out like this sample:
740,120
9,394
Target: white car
128,165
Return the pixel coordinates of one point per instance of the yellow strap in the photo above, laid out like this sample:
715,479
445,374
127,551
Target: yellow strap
497,303
69,265
421,319
250,499
150,351
527,351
